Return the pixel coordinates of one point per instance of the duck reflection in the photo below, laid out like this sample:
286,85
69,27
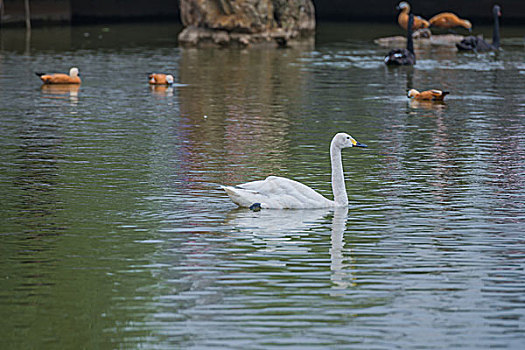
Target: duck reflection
162,90
61,91
277,231
427,105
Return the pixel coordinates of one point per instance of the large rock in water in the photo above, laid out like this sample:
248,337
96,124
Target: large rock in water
245,22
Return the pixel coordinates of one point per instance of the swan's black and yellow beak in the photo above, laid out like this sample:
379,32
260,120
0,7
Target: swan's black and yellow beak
358,144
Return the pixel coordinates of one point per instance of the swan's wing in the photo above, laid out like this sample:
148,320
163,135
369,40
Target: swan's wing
276,192
276,186
399,57
243,197
246,194
468,43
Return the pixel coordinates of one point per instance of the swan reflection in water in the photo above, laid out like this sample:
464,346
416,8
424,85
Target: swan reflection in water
341,276
290,231
62,91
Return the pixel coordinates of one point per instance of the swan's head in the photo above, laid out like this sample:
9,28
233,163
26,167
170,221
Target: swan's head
169,79
496,10
403,5
73,72
343,140
412,93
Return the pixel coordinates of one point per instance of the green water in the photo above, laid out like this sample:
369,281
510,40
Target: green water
114,232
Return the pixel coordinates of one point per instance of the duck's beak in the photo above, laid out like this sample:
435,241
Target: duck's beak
359,144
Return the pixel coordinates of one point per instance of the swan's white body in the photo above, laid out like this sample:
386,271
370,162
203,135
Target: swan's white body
281,193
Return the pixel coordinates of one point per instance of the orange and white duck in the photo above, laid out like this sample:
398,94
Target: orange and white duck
402,19
448,20
161,79
61,78
428,95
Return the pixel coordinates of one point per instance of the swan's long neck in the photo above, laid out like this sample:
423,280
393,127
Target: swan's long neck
410,41
495,31
338,180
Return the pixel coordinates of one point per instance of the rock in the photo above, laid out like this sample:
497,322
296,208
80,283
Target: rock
245,22
420,40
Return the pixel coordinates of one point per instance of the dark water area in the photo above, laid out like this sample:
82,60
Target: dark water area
114,232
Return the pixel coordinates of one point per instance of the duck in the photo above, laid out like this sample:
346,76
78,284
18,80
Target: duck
161,79
403,57
428,95
477,43
61,78
277,192
402,19
449,20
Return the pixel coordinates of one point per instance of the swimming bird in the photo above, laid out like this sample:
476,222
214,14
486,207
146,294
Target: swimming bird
281,193
429,95
448,20
160,79
402,19
60,78
476,43
403,57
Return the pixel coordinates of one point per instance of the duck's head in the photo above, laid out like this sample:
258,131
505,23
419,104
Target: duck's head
403,5
169,79
343,140
73,72
496,10
412,93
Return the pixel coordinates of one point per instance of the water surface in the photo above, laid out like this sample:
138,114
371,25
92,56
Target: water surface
115,233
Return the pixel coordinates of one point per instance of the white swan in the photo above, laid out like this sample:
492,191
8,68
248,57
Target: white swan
281,193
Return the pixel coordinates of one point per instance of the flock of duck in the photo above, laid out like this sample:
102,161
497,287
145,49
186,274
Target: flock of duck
74,78
281,193
445,20
416,26
419,27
